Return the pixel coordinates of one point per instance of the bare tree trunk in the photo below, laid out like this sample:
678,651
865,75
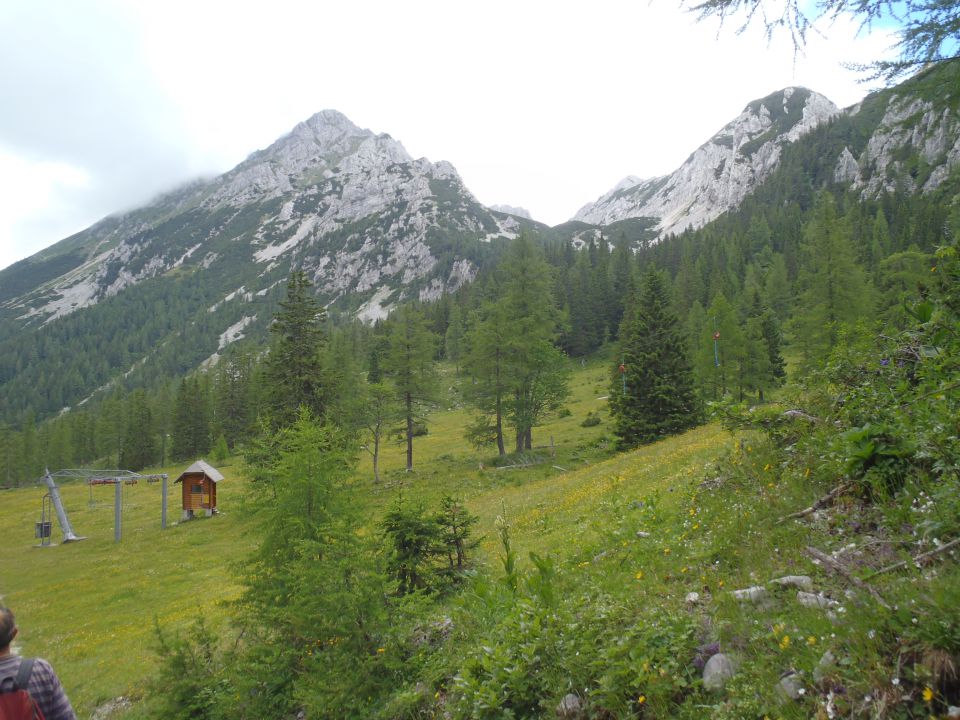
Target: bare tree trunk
409,403
500,447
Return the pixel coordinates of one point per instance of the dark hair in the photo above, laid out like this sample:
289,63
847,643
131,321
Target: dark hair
8,627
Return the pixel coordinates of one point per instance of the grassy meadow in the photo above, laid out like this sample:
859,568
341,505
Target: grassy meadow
699,512
90,606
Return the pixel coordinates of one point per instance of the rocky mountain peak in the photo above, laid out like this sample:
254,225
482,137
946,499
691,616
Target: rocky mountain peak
513,210
722,171
351,207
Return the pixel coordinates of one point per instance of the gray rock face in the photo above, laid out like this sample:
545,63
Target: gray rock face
790,687
802,582
569,707
511,210
751,594
717,671
350,207
815,600
909,126
824,667
722,171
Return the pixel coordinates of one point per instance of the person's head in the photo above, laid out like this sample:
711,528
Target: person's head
8,629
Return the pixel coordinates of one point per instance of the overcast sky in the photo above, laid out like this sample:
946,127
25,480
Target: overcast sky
544,105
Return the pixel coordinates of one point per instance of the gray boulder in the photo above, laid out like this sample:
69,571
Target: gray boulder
569,707
717,671
801,582
790,687
824,667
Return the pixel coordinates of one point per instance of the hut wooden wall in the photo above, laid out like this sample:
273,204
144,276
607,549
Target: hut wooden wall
199,501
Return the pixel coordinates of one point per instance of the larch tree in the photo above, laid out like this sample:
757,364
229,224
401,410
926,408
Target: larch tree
652,393
410,364
535,368
453,342
379,409
833,288
928,30
486,361
721,349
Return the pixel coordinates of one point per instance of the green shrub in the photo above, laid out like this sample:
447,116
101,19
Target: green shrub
592,420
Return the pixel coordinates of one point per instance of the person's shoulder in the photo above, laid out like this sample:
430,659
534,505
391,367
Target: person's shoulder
9,661
41,670
42,666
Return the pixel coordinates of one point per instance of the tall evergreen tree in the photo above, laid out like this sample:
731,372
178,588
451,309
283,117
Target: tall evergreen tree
191,421
410,364
453,338
536,377
294,372
653,394
621,281
233,401
833,288
139,447
722,349
486,362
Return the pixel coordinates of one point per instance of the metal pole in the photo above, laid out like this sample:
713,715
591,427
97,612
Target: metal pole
118,490
68,535
163,506
45,520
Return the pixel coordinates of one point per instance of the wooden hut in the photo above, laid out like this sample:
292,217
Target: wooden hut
199,489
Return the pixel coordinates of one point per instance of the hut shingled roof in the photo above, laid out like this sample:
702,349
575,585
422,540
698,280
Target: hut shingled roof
201,466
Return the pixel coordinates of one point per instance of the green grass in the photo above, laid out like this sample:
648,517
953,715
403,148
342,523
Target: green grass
638,531
89,606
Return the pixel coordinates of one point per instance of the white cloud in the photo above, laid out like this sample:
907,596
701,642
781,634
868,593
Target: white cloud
34,194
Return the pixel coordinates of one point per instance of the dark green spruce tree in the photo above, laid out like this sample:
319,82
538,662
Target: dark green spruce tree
191,421
652,392
139,447
294,371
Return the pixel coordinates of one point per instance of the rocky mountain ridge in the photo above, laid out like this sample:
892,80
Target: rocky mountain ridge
721,172
350,207
905,138
169,287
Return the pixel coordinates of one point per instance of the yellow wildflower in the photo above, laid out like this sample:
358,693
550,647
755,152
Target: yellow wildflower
785,642
380,651
639,575
641,700
811,640
927,695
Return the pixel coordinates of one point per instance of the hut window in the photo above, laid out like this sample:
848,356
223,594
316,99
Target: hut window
196,489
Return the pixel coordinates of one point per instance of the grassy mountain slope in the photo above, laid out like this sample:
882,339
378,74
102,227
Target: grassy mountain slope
608,617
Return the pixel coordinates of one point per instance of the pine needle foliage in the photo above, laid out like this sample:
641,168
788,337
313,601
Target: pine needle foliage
652,393
294,369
